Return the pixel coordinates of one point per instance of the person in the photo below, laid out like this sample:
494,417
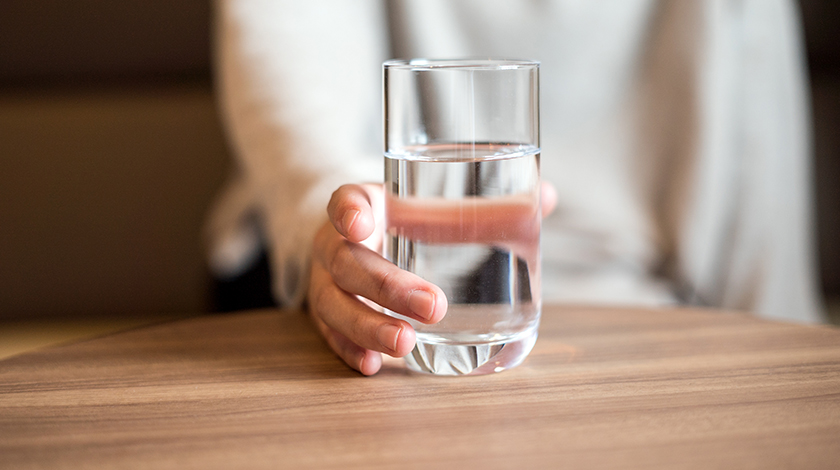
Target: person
674,140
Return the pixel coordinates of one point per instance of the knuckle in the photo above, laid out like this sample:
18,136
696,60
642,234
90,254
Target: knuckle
340,260
387,281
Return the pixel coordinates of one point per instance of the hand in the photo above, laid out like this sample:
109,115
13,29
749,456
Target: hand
346,266
349,279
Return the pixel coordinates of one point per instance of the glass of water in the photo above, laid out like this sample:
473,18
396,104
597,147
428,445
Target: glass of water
462,204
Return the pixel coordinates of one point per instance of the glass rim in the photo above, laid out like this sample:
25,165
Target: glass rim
420,64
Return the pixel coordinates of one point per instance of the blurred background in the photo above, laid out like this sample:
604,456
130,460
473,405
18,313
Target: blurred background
111,151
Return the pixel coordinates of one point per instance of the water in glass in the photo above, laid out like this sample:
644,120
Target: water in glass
466,217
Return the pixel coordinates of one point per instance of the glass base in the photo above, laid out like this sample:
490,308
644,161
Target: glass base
470,359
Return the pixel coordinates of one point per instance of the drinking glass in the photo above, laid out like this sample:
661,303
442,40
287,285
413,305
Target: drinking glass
462,204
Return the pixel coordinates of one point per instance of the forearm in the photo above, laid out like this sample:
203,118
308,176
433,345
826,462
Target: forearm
298,85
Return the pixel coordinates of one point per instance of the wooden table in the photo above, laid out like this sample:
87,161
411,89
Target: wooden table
604,387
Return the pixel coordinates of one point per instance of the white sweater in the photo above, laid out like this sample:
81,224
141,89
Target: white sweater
676,134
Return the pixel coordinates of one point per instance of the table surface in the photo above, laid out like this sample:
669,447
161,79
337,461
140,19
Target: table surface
604,387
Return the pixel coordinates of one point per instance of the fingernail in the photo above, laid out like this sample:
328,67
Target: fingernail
421,303
349,219
388,335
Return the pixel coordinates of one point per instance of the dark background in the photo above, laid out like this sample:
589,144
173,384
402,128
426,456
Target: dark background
111,151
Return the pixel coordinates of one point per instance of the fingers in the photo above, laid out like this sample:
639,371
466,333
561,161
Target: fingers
363,360
345,272
351,213
362,326
360,271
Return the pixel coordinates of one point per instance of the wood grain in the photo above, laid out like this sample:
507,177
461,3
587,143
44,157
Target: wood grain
604,388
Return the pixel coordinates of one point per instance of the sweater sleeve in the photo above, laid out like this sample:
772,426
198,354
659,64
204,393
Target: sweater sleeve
299,89
737,186
771,268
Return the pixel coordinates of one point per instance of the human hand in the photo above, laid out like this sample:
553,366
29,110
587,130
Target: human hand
347,267
349,278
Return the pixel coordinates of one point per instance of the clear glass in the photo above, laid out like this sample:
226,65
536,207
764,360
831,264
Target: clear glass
462,205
